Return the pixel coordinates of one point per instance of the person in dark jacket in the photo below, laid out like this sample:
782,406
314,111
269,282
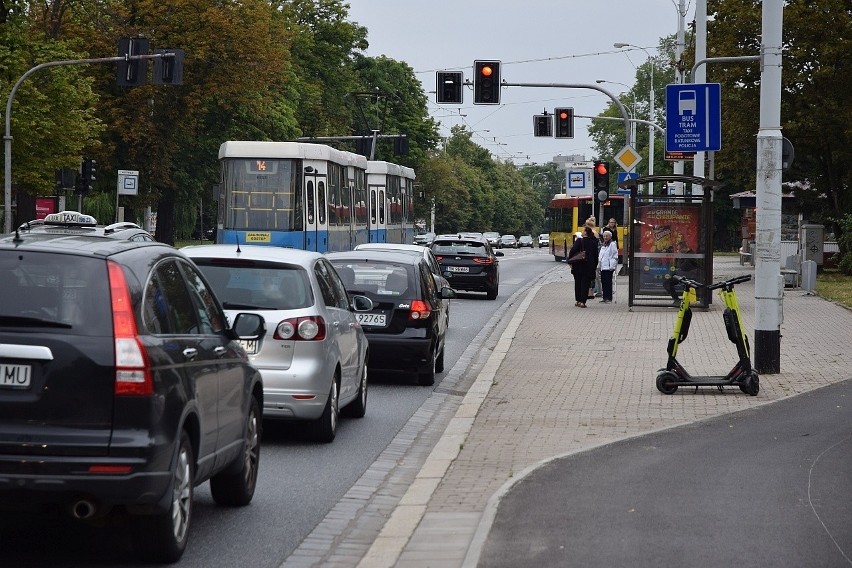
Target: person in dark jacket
584,272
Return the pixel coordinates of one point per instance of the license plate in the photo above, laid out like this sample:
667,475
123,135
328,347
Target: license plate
372,319
250,345
458,269
15,376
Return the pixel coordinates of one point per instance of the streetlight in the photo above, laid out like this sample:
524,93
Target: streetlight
632,107
650,111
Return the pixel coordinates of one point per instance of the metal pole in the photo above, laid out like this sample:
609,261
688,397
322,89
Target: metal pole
699,77
7,138
768,281
677,167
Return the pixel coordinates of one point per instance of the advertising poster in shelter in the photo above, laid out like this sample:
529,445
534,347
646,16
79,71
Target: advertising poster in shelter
669,241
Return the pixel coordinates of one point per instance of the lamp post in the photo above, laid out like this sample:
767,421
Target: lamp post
650,110
632,109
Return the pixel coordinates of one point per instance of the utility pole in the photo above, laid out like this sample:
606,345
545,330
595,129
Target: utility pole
768,281
700,77
679,68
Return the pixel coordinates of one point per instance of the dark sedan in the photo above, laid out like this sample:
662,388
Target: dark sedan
469,263
407,327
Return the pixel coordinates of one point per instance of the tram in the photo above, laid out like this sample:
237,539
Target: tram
568,214
311,197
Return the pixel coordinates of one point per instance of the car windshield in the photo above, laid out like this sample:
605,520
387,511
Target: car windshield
258,286
459,247
375,278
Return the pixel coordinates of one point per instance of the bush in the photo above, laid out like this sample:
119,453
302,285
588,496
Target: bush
844,243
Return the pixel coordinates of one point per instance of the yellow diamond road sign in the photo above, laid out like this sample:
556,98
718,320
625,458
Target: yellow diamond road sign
627,158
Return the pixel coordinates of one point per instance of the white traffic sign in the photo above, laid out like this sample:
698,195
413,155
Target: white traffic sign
128,182
579,180
627,158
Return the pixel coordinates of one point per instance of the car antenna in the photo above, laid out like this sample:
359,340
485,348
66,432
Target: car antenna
17,238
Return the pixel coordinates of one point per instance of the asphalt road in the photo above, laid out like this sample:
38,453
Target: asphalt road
299,480
765,487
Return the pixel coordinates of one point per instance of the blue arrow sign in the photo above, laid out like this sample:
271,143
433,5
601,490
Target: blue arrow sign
693,117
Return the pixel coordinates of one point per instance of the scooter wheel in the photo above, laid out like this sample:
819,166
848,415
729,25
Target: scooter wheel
665,382
751,386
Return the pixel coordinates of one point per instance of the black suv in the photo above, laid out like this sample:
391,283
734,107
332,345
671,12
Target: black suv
121,386
469,263
407,326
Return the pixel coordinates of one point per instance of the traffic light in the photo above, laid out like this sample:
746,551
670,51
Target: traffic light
132,73
449,87
601,180
88,173
486,82
168,70
564,122
542,125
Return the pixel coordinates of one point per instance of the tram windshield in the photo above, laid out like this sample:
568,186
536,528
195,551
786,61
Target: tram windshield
262,194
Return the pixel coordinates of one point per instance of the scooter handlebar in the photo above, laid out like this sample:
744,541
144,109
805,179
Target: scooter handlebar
716,285
730,282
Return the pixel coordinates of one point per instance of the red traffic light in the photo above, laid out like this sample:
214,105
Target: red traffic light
486,71
600,169
563,115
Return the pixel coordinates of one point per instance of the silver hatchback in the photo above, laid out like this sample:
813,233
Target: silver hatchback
313,356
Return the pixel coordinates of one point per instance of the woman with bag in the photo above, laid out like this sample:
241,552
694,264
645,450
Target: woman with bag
607,261
583,259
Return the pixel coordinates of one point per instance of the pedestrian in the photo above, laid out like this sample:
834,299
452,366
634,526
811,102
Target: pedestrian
595,285
584,271
612,227
607,263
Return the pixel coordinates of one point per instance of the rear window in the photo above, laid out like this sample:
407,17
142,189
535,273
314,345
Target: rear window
62,291
257,285
376,278
458,247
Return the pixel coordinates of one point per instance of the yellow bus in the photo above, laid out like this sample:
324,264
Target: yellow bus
567,215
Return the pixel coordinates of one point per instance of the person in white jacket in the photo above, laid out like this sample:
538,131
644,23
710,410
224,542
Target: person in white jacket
608,262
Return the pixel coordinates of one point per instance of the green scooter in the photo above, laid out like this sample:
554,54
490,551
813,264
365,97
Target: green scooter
742,375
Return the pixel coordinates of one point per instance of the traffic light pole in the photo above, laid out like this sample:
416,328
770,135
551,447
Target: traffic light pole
615,101
7,137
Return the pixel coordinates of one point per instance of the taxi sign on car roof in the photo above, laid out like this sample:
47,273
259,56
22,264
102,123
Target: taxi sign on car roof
70,218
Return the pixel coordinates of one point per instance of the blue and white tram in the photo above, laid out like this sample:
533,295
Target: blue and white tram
302,195
392,187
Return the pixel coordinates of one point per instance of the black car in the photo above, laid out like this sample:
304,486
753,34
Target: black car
75,223
408,324
469,263
122,386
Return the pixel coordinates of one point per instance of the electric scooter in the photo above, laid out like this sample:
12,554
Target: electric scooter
742,375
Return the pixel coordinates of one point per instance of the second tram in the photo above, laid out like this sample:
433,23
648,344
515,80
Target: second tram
568,214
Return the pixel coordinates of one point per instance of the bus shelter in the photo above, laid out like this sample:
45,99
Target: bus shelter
671,234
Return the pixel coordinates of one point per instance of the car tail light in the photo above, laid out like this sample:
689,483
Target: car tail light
307,328
132,372
419,310
483,260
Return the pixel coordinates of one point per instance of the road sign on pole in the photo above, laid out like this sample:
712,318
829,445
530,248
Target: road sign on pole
693,117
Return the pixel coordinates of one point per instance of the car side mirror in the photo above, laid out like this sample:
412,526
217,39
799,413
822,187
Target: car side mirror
447,293
362,303
249,326
499,253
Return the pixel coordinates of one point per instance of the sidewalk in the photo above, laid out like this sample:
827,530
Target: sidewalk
562,380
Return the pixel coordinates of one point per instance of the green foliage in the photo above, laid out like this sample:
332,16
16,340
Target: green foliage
844,243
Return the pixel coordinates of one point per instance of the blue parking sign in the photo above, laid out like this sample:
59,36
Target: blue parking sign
693,117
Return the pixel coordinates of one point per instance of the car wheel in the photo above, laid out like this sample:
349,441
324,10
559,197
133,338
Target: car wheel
236,488
358,407
492,293
439,362
325,427
427,378
162,537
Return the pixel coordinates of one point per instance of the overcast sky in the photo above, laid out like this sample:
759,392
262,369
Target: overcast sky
538,41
